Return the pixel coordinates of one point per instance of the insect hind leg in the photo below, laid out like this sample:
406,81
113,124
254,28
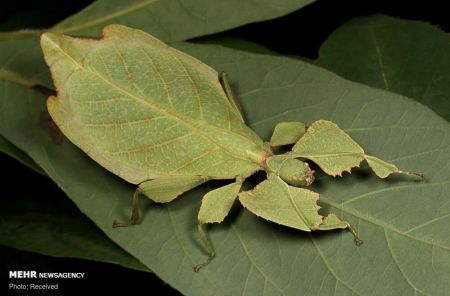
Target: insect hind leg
208,246
135,216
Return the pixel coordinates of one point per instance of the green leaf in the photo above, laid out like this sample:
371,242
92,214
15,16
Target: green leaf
11,150
163,18
404,223
233,42
223,39
21,62
407,57
20,53
21,58
53,226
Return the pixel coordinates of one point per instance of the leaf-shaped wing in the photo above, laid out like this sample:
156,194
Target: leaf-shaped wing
142,109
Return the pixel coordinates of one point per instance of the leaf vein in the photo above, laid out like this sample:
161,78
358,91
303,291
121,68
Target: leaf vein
149,147
379,223
122,123
121,11
379,57
327,264
244,247
162,110
398,264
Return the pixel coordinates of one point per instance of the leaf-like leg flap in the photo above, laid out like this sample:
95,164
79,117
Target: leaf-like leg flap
329,147
331,222
223,78
383,169
335,152
161,190
287,133
278,202
215,207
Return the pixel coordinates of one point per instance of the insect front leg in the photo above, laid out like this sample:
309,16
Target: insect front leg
223,79
287,133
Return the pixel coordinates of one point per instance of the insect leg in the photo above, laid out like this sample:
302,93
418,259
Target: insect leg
208,246
135,217
215,207
223,79
287,133
161,190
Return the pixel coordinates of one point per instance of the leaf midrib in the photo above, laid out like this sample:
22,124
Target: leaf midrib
107,17
379,58
379,223
15,78
302,217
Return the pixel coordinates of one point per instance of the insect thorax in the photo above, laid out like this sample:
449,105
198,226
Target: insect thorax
293,171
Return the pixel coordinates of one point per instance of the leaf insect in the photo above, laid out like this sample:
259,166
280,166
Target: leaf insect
163,120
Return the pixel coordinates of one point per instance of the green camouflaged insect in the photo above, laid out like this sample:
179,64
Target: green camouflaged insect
165,121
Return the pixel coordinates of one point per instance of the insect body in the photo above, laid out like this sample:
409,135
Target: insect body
166,122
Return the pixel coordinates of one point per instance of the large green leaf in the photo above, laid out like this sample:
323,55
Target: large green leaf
407,57
54,226
173,20
15,60
22,58
22,63
169,20
8,148
233,42
403,222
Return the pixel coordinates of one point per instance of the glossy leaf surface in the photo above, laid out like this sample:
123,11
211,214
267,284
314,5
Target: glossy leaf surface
163,18
9,149
53,226
402,56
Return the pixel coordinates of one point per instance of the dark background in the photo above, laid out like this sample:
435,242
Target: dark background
299,33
